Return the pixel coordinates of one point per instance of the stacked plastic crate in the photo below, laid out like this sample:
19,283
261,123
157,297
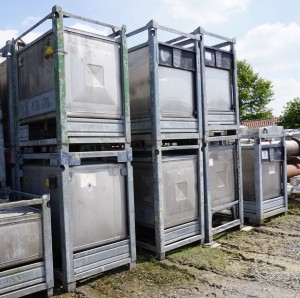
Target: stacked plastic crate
73,131
222,150
165,96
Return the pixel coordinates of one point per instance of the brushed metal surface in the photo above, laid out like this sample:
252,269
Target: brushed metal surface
92,76
21,236
218,89
98,197
180,192
222,173
176,88
271,177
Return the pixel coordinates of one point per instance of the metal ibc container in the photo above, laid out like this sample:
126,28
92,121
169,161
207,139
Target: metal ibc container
222,177
218,80
180,191
271,173
92,76
98,200
21,236
175,84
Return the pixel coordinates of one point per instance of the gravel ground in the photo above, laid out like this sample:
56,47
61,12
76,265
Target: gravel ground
264,262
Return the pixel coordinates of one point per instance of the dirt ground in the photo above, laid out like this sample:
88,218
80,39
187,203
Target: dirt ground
264,262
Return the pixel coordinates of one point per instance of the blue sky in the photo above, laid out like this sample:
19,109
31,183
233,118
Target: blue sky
267,31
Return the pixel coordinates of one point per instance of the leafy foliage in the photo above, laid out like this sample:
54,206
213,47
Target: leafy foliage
291,114
255,93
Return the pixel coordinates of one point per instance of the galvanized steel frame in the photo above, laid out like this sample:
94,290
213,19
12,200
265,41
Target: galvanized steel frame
167,239
209,128
237,201
261,209
223,123
167,128
154,136
36,276
64,159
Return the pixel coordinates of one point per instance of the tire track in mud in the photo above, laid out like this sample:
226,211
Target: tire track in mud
268,258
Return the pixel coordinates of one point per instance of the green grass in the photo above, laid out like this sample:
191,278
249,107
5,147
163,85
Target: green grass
205,258
148,279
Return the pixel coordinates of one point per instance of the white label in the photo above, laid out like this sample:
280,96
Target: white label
88,180
265,154
211,162
272,170
208,56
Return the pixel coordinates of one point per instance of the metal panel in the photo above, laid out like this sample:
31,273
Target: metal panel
271,177
176,88
97,194
222,173
179,190
3,81
4,127
139,82
17,226
176,92
99,209
21,278
36,69
93,79
218,90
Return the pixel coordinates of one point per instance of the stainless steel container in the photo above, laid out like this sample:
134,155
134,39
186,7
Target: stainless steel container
92,76
271,175
98,199
222,177
21,236
180,190
176,87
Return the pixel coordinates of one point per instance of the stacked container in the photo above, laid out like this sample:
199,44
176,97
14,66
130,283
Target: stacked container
26,250
222,151
26,264
73,132
264,173
166,123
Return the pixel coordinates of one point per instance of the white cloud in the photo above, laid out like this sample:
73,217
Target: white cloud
285,90
6,35
271,47
273,51
29,21
85,27
9,34
206,11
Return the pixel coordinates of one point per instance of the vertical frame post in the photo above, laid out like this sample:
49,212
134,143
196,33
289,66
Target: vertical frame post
284,173
48,259
205,148
199,101
156,146
13,93
126,111
258,177
235,87
62,143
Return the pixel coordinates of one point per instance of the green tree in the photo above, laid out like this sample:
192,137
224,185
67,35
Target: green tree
255,93
291,114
